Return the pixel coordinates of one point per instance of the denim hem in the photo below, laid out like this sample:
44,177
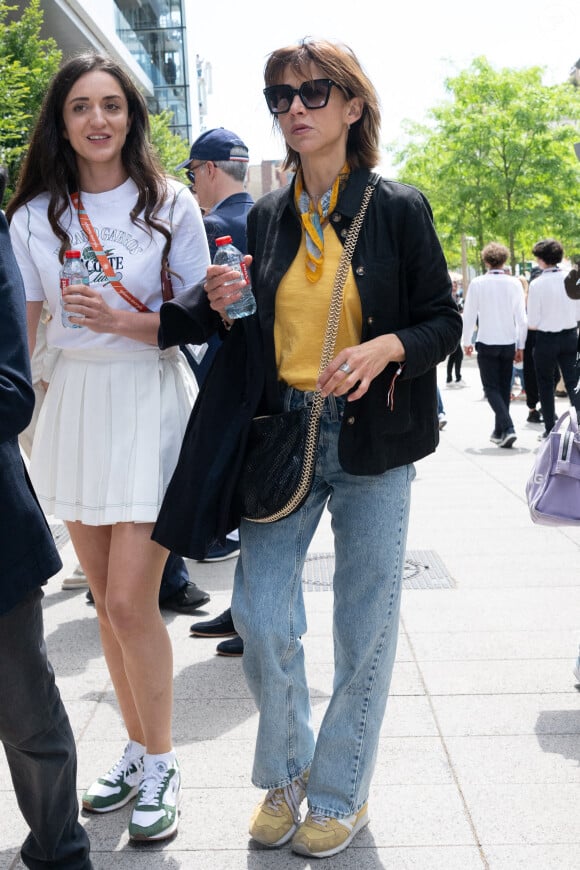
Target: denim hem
283,783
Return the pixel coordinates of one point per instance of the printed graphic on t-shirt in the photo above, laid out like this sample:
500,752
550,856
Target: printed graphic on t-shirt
96,273
120,238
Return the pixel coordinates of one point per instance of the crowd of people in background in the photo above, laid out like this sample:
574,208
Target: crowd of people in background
525,332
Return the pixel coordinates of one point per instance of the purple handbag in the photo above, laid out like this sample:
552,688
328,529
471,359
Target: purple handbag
553,487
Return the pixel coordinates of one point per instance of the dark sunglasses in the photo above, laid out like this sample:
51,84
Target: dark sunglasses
191,172
314,95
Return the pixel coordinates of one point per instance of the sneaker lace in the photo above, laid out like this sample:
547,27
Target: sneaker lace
291,794
122,767
319,819
151,787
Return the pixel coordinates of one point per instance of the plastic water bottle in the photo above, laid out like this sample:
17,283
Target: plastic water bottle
228,255
73,271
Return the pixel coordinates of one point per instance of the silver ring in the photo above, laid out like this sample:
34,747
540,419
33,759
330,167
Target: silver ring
345,368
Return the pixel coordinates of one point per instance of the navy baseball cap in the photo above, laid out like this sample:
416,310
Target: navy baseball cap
217,144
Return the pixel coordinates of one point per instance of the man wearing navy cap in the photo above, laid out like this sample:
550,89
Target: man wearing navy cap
217,167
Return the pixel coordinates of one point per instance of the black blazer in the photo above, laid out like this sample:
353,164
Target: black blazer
404,285
28,556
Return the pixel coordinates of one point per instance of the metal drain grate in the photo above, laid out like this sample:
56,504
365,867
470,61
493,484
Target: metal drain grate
423,570
60,534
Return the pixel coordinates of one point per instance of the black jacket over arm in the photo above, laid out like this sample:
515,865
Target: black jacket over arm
28,556
404,286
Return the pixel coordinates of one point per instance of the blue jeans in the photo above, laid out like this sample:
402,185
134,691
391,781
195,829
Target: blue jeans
39,743
440,408
496,362
369,522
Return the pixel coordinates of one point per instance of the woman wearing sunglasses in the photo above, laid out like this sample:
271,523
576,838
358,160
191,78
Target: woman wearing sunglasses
380,416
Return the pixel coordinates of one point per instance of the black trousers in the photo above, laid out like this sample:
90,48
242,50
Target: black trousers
495,363
555,349
454,360
530,380
39,743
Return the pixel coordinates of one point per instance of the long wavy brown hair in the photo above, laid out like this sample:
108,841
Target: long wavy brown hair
339,63
50,164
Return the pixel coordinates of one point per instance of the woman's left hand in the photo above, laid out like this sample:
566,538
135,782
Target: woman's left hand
357,366
87,307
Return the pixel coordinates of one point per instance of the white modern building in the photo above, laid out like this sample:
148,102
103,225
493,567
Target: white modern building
149,37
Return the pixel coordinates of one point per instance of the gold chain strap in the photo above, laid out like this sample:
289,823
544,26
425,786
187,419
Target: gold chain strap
340,279
334,313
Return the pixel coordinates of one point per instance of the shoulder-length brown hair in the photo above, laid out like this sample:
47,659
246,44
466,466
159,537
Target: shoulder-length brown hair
339,63
50,164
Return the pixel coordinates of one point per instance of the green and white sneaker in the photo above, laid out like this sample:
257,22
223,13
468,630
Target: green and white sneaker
156,813
119,785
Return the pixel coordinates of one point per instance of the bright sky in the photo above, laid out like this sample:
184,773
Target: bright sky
408,49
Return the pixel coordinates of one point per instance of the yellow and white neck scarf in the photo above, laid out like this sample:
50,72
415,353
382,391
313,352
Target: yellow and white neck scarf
313,219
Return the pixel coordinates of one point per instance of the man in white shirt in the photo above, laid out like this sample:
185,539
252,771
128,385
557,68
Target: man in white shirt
495,301
554,316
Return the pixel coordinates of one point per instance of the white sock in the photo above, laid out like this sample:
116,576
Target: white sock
136,750
166,758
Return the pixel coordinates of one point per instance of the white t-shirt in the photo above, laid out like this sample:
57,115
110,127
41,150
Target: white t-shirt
134,254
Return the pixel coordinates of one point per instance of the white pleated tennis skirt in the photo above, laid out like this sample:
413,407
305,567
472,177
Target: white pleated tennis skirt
109,434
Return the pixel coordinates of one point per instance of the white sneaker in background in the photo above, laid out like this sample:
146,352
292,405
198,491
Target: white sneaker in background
77,580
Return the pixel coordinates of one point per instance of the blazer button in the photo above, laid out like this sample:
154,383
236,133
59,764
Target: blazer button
370,320
336,218
349,421
360,270
344,233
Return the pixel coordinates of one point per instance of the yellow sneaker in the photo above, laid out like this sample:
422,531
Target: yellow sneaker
320,836
276,818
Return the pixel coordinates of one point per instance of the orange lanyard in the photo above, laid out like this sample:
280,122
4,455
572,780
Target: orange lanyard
91,235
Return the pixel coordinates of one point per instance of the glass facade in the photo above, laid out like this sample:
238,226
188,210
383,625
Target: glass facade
154,33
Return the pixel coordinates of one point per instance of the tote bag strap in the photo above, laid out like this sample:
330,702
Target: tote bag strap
91,235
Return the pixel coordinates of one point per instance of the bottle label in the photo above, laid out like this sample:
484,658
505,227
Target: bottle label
240,267
65,316
244,271
66,281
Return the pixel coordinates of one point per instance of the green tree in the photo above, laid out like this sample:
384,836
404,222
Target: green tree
27,63
172,149
497,161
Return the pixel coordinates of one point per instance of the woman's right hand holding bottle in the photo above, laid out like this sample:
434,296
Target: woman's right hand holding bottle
224,286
